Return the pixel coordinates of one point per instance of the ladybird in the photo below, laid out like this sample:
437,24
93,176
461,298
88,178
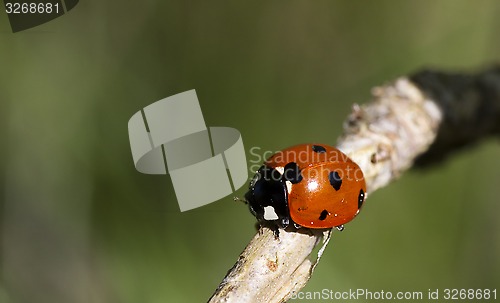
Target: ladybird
307,185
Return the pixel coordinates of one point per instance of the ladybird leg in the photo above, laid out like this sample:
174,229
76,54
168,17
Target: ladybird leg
274,228
276,232
340,227
238,199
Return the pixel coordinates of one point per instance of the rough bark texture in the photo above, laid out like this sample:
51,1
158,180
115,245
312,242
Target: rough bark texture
413,120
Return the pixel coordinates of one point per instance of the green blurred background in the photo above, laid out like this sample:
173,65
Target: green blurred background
80,224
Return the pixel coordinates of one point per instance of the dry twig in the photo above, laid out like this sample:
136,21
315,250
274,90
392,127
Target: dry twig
416,119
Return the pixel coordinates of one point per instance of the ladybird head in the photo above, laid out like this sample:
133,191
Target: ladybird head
267,197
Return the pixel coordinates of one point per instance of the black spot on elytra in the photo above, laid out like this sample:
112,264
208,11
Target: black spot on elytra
361,198
323,215
292,173
318,149
335,180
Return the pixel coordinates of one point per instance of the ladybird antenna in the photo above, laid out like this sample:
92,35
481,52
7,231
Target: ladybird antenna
238,199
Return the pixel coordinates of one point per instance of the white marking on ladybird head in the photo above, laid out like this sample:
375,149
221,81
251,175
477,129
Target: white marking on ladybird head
280,169
270,213
312,186
288,186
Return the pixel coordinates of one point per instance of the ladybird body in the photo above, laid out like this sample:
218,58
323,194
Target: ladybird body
310,185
